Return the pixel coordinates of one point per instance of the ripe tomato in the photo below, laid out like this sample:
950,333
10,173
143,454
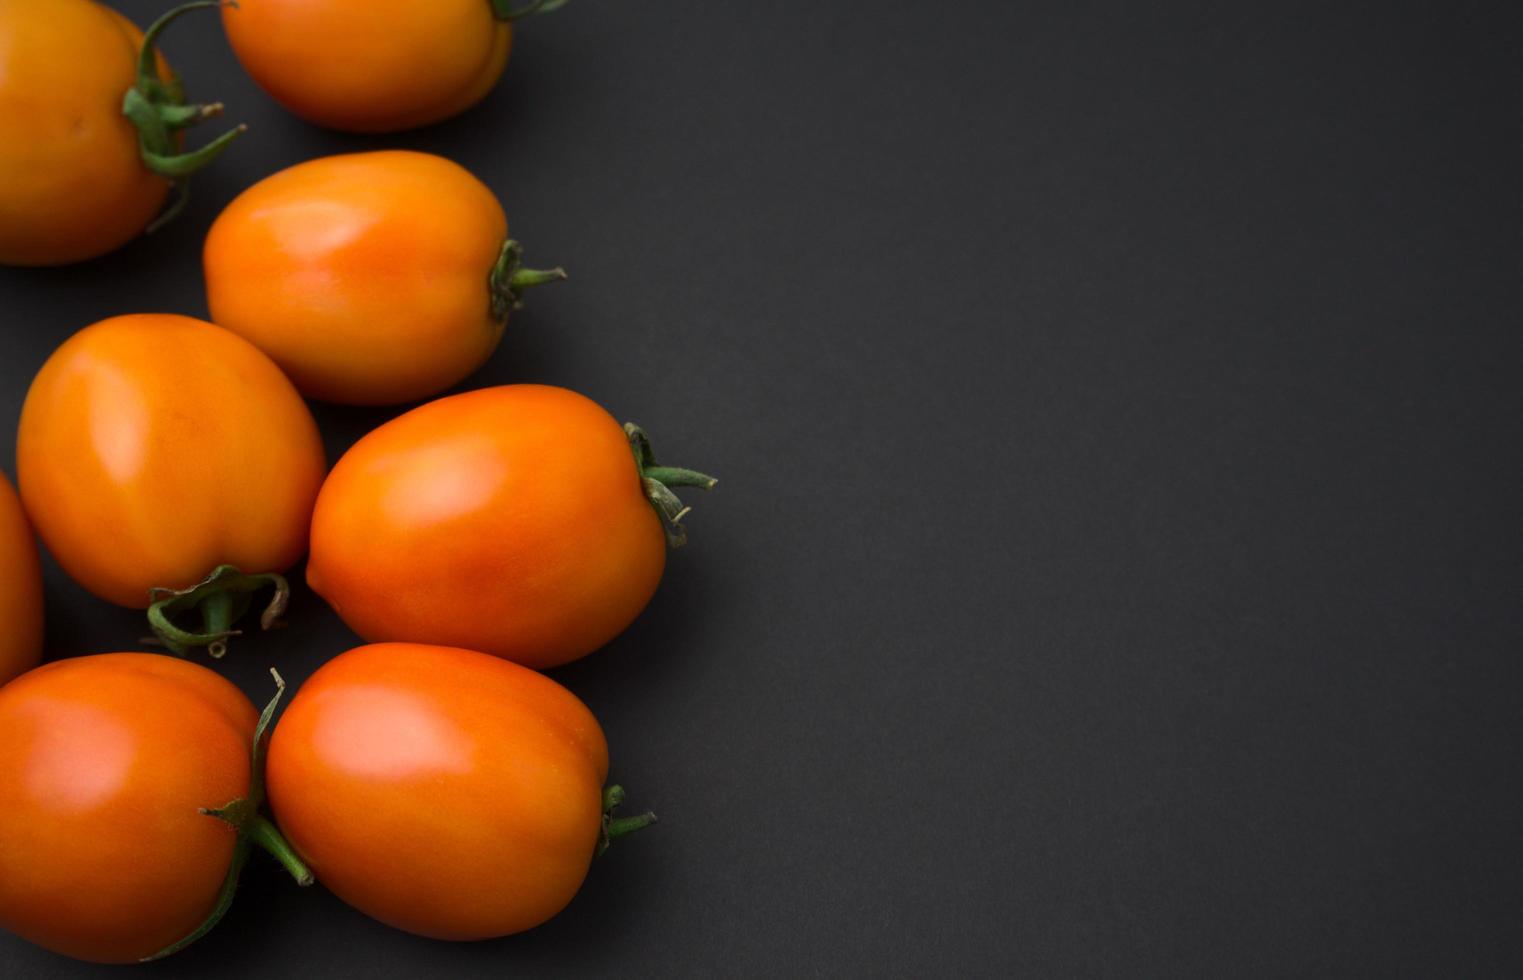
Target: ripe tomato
370,278
106,766
78,175
516,520
443,791
375,67
154,448
20,589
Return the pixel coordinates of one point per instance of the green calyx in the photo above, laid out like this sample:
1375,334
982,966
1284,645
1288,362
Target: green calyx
659,481
616,827
509,279
158,109
253,828
509,10
222,599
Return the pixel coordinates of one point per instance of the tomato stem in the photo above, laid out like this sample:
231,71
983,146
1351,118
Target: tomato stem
657,481
616,827
506,9
158,109
252,828
509,279
222,598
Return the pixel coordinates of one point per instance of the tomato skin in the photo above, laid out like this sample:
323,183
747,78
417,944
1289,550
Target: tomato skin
20,589
72,183
104,762
442,791
154,447
510,520
363,275
371,66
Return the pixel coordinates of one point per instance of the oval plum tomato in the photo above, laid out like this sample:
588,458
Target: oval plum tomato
370,278
128,803
519,520
443,791
90,124
157,452
376,66
20,589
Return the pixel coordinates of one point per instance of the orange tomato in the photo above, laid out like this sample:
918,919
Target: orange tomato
105,764
375,66
516,520
78,177
370,278
154,448
443,791
20,589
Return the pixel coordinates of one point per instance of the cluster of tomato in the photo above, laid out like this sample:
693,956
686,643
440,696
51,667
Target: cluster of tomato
171,464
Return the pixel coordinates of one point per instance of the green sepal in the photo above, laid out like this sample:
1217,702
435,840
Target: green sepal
509,11
657,482
252,827
222,598
615,827
508,280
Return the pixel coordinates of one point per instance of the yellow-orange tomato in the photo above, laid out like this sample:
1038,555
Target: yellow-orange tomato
105,762
155,447
374,66
74,180
442,791
370,278
20,589
513,520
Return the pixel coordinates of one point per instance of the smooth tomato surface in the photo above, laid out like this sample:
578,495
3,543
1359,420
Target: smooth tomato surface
510,520
72,183
365,275
154,447
441,791
370,66
104,763
20,589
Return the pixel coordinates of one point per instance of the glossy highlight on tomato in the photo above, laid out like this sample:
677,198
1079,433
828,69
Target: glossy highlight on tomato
370,278
20,589
154,448
376,66
521,520
79,176
443,791
105,764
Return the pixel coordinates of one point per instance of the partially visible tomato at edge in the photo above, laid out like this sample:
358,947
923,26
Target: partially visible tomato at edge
20,589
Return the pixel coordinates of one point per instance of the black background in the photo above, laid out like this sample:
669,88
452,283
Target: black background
1115,569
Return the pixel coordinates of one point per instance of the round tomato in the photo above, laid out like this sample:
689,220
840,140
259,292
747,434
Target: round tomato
518,520
488,774
375,67
82,171
370,278
107,766
155,449
20,589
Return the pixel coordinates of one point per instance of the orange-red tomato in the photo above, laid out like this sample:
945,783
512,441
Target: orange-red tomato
155,447
441,791
105,762
513,520
74,179
374,66
370,278
20,589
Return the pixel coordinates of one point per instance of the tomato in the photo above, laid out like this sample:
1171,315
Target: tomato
154,448
20,589
443,791
375,66
106,765
79,176
370,278
516,520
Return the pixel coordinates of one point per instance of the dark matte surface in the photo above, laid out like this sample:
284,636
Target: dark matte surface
1116,566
